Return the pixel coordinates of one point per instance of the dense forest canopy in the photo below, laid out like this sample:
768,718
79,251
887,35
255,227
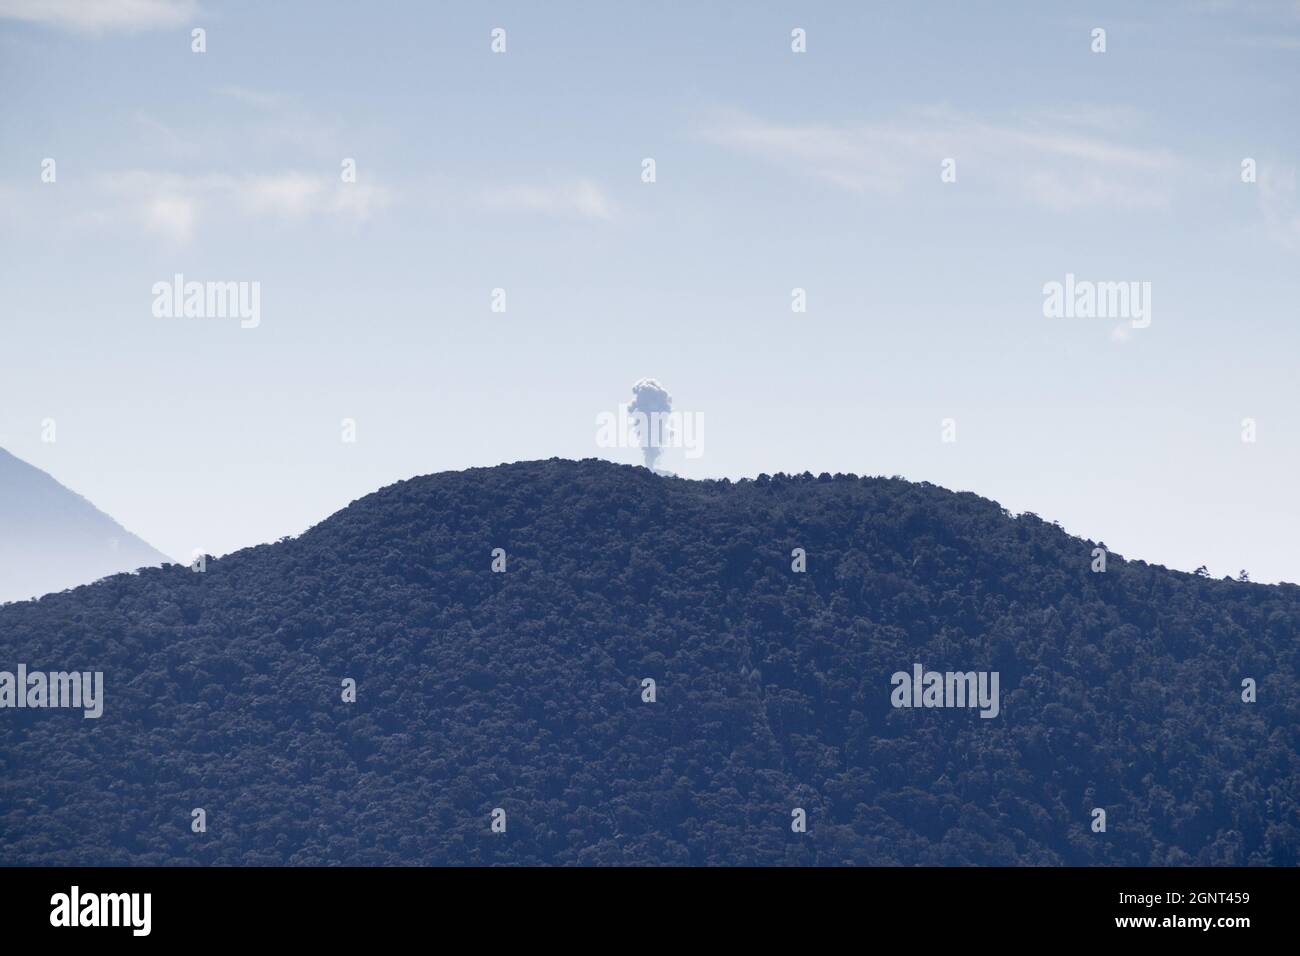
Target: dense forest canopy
524,690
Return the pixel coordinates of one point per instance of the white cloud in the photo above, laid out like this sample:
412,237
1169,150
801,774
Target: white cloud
296,195
174,205
582,199
100,15
1060,162
180,207
1279,203
291,195
171,216
261,99
359,201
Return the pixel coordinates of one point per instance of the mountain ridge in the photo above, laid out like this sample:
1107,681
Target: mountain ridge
522,690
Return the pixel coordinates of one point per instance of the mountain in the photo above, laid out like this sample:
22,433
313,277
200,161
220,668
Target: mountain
52,538
523,690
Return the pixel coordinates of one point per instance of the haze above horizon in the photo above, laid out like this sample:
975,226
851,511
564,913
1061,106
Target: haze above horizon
774,171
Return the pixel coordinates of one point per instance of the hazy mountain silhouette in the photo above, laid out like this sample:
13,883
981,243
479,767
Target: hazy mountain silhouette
523,690
51,538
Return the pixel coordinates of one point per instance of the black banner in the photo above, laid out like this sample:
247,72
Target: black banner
335,905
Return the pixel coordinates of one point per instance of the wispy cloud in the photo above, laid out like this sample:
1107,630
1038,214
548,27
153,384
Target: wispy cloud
580,199
1271,42
175,205
1279,203
171,216
1060,161
181,207
260,99
165,138
94,16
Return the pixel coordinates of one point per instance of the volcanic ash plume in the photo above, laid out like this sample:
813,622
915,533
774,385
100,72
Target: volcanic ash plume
650,408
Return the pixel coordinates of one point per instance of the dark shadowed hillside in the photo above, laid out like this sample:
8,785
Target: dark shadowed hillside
52,538
522,690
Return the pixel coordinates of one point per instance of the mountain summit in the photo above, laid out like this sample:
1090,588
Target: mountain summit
586,663
51,538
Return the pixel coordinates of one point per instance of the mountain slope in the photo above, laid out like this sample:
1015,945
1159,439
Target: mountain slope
52,538
522,690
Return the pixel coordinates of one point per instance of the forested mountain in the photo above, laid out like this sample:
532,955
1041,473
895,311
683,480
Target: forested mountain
523,689
52,538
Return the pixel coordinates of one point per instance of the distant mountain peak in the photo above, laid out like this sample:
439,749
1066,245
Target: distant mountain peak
52,538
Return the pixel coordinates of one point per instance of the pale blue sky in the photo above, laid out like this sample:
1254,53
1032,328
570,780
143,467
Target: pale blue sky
775,170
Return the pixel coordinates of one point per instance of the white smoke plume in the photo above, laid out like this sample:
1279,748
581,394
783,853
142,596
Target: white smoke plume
650,408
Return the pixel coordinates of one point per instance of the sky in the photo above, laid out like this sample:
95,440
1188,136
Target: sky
774,170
